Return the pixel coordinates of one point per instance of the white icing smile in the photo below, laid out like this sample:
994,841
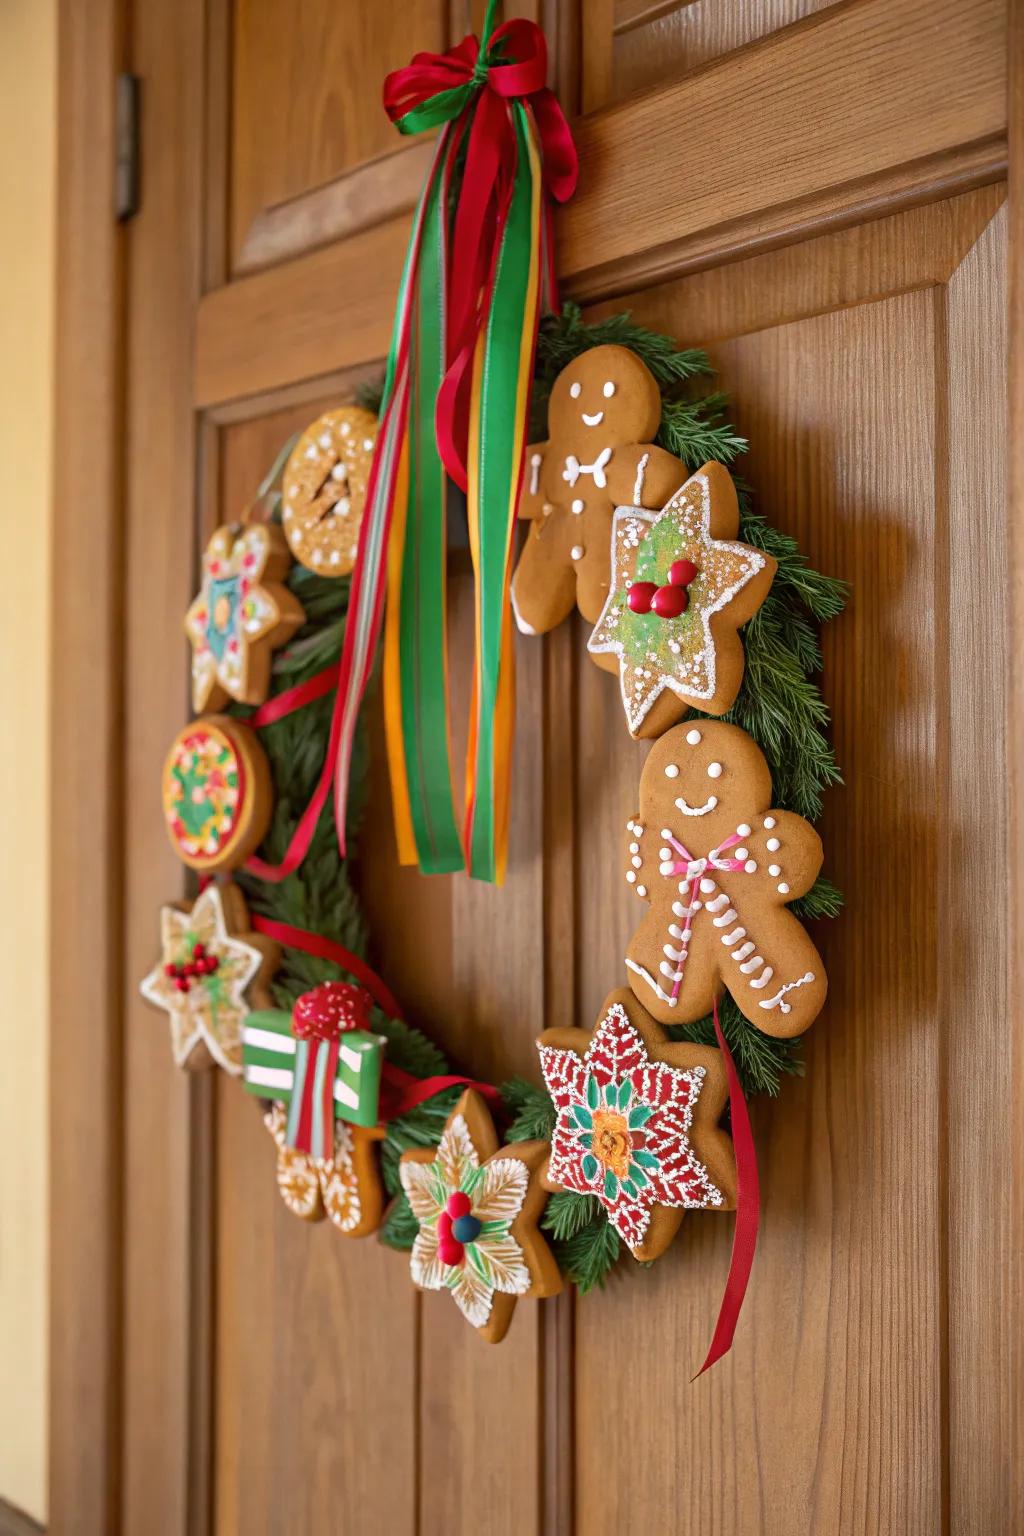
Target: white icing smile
697,810
592,421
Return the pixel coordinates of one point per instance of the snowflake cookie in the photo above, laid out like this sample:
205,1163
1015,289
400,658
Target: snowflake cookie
637,1123
241,614
323,493
210,966
717,866
681,587
345,1187
478,1207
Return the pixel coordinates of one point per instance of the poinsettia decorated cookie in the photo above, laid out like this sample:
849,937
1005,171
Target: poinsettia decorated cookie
681,588
478,1206
346,1187
242,613
605,408
211,968
216,792
717,866
637,1123
323,493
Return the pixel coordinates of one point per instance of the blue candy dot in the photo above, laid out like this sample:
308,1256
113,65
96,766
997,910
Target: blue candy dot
465,1229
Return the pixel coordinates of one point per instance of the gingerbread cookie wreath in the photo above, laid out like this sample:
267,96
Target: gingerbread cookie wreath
703,611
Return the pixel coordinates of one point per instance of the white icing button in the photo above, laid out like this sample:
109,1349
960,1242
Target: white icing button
577,552
783,889
769,822
634,847
664,853
608,390
575,390
693,737
636,861
741,853
750,866
743,831
666,832
641,890
577,506
707,885
774,870
714,770
630,875
773,844
671,770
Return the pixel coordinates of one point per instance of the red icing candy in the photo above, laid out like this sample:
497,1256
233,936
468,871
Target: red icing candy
641,594
670,602
681,573
459,1204
449,1251
329,1010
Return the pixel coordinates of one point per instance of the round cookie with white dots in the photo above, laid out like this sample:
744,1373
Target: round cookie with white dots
323,493
605,408
717,867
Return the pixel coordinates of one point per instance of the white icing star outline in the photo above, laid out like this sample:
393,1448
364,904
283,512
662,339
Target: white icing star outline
642,521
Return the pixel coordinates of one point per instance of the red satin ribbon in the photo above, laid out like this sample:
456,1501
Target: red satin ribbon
315,687
400,1090
748,1211
486,187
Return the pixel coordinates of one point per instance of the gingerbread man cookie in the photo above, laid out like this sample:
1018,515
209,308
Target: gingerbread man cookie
241,614
681,587
637,1123
605,408
717,866
323,493
478,1208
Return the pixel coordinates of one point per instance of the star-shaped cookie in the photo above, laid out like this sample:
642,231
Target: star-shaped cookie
346,1188
208,962
241,614
674,638
478,1207
637,1123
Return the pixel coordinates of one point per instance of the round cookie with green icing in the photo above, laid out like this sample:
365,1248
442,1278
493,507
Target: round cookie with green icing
217,796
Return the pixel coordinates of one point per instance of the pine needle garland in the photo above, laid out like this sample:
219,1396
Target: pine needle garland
779,705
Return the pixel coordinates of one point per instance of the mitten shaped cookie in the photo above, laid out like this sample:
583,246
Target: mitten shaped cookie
680,588
717,866
605,408
637,1123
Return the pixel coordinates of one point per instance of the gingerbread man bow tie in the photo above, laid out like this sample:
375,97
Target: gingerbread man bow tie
573,469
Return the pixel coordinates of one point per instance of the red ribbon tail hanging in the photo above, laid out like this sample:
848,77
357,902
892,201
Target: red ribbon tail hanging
400,1091
748,1211
325,949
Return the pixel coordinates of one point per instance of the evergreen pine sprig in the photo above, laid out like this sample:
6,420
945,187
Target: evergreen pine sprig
530,1109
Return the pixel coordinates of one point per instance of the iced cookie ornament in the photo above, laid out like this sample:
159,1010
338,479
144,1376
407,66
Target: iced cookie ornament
241,614
718,866
323,493
604,411
681,587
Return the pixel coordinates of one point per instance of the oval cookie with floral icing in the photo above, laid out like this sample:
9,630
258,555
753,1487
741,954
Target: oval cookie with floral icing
323,494
217,796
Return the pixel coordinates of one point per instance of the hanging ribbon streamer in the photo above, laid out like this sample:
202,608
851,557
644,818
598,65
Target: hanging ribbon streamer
748,1210
455,404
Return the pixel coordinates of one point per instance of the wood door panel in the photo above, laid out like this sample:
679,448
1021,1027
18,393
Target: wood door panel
839,1376
306,78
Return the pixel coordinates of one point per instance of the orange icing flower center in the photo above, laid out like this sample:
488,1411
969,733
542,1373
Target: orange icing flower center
611,1142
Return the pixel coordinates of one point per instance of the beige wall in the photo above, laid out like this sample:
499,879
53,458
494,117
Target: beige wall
27,203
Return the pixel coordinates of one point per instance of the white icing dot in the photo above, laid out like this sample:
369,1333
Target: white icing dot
707,885
741,853
339,471
318,557
774,870
368,444
750,866
773,844
577,552
575,390
641,890
577,506
742,831
631,875
693,737
664,853
769,822
636,861
783,889
666,832
325,439
671,770
608,390
714,770
634,847
335,556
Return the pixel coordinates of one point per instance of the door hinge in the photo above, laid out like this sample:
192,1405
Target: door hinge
126,148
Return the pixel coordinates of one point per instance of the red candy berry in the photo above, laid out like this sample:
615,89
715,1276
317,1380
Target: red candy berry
669,602
198,951
170,970
182,984
681,573
640,597
444,1225
449,1251
329,1010
459,1204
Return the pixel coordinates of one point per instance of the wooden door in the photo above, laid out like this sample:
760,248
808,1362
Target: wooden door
817,193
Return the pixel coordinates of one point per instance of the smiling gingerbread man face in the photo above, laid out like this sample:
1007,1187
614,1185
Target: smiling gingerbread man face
718,865
605,409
